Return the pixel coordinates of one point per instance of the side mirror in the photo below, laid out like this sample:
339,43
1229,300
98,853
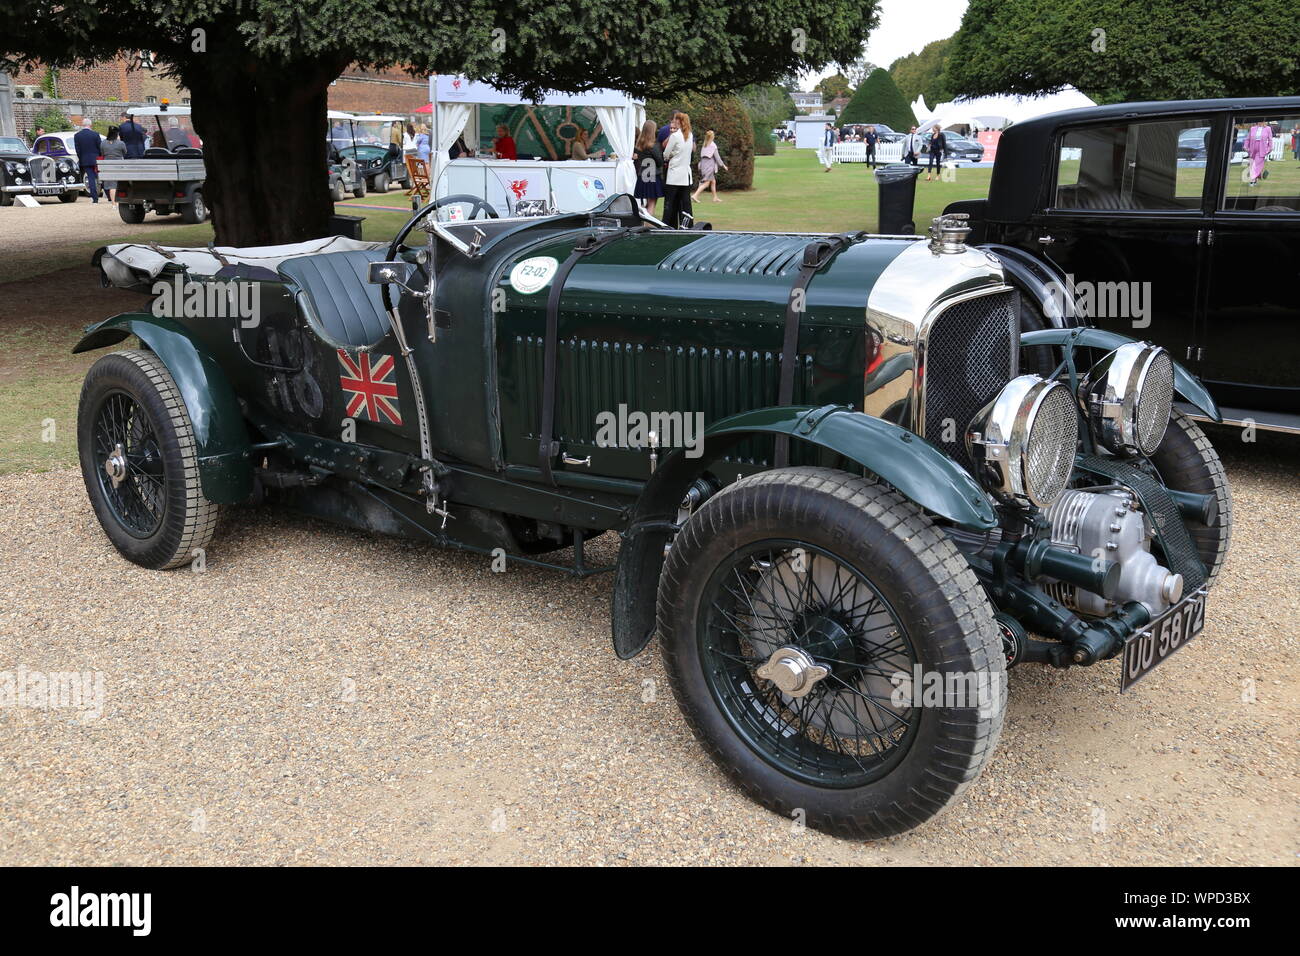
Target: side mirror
383,273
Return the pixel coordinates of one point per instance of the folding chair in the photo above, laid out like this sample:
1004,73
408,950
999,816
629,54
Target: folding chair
418,174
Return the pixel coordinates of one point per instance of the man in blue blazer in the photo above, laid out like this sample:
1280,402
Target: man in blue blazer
133,136
89,145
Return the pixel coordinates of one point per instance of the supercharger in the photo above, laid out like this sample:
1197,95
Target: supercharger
1109,525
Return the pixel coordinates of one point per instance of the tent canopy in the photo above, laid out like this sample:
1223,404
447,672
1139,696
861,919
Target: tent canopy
996,112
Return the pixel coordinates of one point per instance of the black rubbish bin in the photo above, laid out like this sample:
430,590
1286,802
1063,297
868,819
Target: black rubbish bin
897,194
346,226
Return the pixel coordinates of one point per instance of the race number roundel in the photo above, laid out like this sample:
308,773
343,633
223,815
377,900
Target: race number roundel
532,275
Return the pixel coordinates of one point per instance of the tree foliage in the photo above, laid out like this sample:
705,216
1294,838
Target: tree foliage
768,105
878,101
835,85
1117,50
922,73
258,70
653,47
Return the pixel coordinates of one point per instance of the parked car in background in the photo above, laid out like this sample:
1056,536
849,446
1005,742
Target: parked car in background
26,172
958,147
1151,213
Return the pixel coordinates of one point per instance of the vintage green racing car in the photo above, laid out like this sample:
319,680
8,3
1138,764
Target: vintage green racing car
849,491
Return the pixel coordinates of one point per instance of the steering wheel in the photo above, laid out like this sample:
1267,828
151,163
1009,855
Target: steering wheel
476,204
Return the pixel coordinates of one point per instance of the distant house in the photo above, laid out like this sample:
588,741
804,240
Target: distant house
807,102
837,105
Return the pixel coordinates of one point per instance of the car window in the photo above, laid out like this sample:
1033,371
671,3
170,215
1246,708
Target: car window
1263,170
1131,166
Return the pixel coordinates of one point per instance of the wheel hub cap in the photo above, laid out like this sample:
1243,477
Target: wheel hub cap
792,671
115,465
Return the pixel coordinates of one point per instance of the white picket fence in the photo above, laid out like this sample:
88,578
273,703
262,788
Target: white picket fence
857,152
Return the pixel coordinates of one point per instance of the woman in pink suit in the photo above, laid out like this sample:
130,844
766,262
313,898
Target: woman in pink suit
1259,143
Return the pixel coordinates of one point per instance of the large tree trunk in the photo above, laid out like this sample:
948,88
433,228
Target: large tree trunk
263,129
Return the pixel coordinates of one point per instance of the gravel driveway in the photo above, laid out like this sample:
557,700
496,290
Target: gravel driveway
320,696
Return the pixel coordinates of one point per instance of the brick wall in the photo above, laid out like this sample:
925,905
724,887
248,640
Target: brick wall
371,91
106,111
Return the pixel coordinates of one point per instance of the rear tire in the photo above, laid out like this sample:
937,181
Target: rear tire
851,780
156,516
1188,462
195,211
129,213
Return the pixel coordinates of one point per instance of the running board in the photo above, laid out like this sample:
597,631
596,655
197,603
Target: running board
1241,417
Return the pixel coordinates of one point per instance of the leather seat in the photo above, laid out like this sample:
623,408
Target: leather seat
340,304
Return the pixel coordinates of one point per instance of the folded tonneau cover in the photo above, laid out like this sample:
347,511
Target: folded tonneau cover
133,265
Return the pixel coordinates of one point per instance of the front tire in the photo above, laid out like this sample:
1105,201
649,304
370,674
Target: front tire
69,196
381,183
860,582
360,191
1187,461
139,461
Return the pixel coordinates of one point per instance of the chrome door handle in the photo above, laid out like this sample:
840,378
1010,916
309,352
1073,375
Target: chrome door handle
570,460
1046,240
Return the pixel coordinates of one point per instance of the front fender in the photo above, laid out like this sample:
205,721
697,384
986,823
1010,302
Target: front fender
1040,280
1185,383
916,468
225,471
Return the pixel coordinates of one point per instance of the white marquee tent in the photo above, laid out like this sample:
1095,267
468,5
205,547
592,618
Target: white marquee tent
996,112
455,110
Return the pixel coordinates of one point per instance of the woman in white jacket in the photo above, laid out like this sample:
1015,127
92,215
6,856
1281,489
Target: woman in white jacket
677,184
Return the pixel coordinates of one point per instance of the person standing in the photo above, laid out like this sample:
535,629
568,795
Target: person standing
113,148
648,158
938,147
1259,143
827,151
710,160
422,148
89,145
677,184
869,139
911,147
133,136
408,140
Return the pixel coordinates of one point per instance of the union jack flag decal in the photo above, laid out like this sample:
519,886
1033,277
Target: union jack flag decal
369,384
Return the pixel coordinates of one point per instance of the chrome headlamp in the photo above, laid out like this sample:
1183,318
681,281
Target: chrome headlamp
1128,396
1023,442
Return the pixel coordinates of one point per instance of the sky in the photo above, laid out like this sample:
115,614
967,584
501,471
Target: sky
905,27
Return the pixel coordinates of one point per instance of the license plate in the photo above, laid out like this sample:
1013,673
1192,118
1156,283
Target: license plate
1153,645
47,190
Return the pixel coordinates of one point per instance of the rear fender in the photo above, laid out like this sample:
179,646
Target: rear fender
225,471
916,468
1185,383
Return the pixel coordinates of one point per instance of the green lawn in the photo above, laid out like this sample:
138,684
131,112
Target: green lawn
792,194
40,381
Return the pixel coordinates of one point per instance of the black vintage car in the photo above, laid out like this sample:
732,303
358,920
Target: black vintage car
1158,220
26,172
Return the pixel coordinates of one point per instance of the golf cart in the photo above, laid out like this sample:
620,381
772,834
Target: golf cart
345,174
368,140
169,177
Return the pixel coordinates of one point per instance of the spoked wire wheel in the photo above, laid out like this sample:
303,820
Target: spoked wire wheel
131,477
799,612
140,461
802,653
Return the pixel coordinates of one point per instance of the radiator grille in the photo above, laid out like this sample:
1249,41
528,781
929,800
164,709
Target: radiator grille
42,169
971,353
